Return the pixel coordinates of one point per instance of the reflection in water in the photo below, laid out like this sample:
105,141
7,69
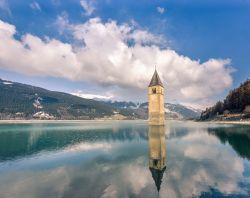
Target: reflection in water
237,136
157,153
20,140
107,159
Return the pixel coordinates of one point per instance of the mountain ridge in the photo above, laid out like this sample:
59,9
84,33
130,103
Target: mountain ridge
21,101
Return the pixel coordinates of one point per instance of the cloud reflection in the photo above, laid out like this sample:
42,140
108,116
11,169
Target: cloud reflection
201,164
197,162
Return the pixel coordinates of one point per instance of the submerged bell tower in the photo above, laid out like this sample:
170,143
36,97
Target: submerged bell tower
157,153
156,113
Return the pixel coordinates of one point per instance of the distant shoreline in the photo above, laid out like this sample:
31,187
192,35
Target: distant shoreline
245,122
233,122
59,121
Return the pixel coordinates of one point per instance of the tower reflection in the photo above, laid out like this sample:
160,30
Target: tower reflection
157,153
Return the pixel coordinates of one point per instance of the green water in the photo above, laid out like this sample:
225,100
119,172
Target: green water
115,159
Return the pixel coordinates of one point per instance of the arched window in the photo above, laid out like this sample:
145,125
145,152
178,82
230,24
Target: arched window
154,90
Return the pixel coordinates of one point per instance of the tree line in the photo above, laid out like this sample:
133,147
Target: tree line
237,101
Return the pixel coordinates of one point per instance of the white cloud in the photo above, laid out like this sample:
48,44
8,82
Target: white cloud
58,58
145,37
62,22
88,7
35,6
113,55
160,10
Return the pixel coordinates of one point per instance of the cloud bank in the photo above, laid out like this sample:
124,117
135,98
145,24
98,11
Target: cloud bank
111,54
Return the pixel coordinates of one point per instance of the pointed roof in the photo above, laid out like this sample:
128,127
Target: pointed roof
157,176
155,80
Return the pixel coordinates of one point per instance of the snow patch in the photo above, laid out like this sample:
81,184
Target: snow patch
167,110
91,96
193,109
7,83
137,106
37,103
43,115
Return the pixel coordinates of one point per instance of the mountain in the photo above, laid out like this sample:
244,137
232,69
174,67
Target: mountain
21,101
236,105
181,112
173,111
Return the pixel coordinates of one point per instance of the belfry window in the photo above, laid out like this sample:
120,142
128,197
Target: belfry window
154,90
155,162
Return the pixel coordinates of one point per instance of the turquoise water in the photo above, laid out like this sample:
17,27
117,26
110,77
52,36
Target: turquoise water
118,159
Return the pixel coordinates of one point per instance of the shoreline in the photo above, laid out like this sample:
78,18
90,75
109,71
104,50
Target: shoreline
233,122
244,122
247,122
59,121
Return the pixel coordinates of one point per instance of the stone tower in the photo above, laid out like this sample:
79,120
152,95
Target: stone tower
157,153
156,111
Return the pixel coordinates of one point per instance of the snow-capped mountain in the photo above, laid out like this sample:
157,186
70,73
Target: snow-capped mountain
175,111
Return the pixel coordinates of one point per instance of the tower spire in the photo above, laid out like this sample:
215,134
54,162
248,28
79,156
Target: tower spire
155,79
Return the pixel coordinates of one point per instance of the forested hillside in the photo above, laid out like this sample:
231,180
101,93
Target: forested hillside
235,106
20,101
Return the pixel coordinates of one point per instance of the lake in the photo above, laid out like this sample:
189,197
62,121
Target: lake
124,159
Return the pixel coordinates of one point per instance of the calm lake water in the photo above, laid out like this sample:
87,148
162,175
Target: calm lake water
124,159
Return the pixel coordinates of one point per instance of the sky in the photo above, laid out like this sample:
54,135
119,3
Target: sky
108,49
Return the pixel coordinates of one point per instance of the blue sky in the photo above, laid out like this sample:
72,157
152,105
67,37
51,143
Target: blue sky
197,30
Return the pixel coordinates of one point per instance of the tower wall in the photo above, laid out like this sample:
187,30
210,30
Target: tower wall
157,147
156,111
